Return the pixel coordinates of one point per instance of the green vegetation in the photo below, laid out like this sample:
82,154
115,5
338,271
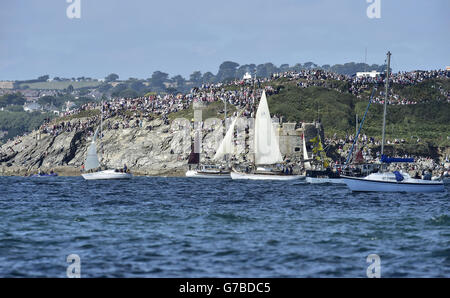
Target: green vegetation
11,99
60,85
19,123
427,121
212,110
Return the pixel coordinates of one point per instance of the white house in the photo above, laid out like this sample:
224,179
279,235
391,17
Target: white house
247,76
372,74
32,107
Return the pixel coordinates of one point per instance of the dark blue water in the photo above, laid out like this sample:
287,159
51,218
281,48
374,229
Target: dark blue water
179,227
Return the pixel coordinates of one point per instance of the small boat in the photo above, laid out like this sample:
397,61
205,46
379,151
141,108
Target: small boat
267,150
44,175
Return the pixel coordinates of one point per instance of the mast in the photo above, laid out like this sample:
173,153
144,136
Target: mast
226,129
385,101
101,131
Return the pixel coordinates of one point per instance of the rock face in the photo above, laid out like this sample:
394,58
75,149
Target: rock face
152,148
146,151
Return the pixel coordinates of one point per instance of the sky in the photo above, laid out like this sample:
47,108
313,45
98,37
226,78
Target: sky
135,38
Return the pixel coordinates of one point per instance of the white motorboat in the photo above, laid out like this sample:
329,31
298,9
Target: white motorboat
392,182
267,150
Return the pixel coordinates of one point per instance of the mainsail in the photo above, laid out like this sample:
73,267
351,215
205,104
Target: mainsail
267,151
92,158
305,154
227,145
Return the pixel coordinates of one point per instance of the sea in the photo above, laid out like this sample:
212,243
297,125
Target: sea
187,227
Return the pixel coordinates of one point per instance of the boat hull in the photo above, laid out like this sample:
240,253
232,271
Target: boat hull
196,174
255,176
322,180
107,175
364,185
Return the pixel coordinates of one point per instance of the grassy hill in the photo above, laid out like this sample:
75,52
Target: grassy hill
212,110
60,85
428,121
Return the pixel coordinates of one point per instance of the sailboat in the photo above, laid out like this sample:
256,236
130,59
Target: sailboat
385,181
267,150
92,163
218,170
322,172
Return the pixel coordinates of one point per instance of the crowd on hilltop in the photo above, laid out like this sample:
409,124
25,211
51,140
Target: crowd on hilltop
240,93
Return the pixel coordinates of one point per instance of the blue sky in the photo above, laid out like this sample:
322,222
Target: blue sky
134,38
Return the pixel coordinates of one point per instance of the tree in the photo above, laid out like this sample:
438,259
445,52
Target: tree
180,81
117,89
111,77
227,71
70,88
208,77
196,77
158,79
284,67
250,68
171,90
309,65
43,78
137,86
265,70
12,99
47,100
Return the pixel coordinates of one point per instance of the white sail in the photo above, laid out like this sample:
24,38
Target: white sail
267,150
305,154
227,145
92,158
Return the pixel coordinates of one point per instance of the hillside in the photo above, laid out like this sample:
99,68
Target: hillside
427,121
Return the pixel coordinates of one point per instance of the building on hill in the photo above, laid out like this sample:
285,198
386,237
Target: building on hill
371,74
32,107
6,85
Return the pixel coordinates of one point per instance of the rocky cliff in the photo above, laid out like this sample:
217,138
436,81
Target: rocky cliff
150,149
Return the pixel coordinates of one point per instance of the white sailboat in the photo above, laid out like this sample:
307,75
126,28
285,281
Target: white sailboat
391,181
92,163
267,150
226,147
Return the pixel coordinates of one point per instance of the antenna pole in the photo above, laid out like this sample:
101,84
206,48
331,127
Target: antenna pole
385,102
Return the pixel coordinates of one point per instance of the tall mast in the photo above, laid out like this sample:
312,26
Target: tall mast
101,131
385,101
